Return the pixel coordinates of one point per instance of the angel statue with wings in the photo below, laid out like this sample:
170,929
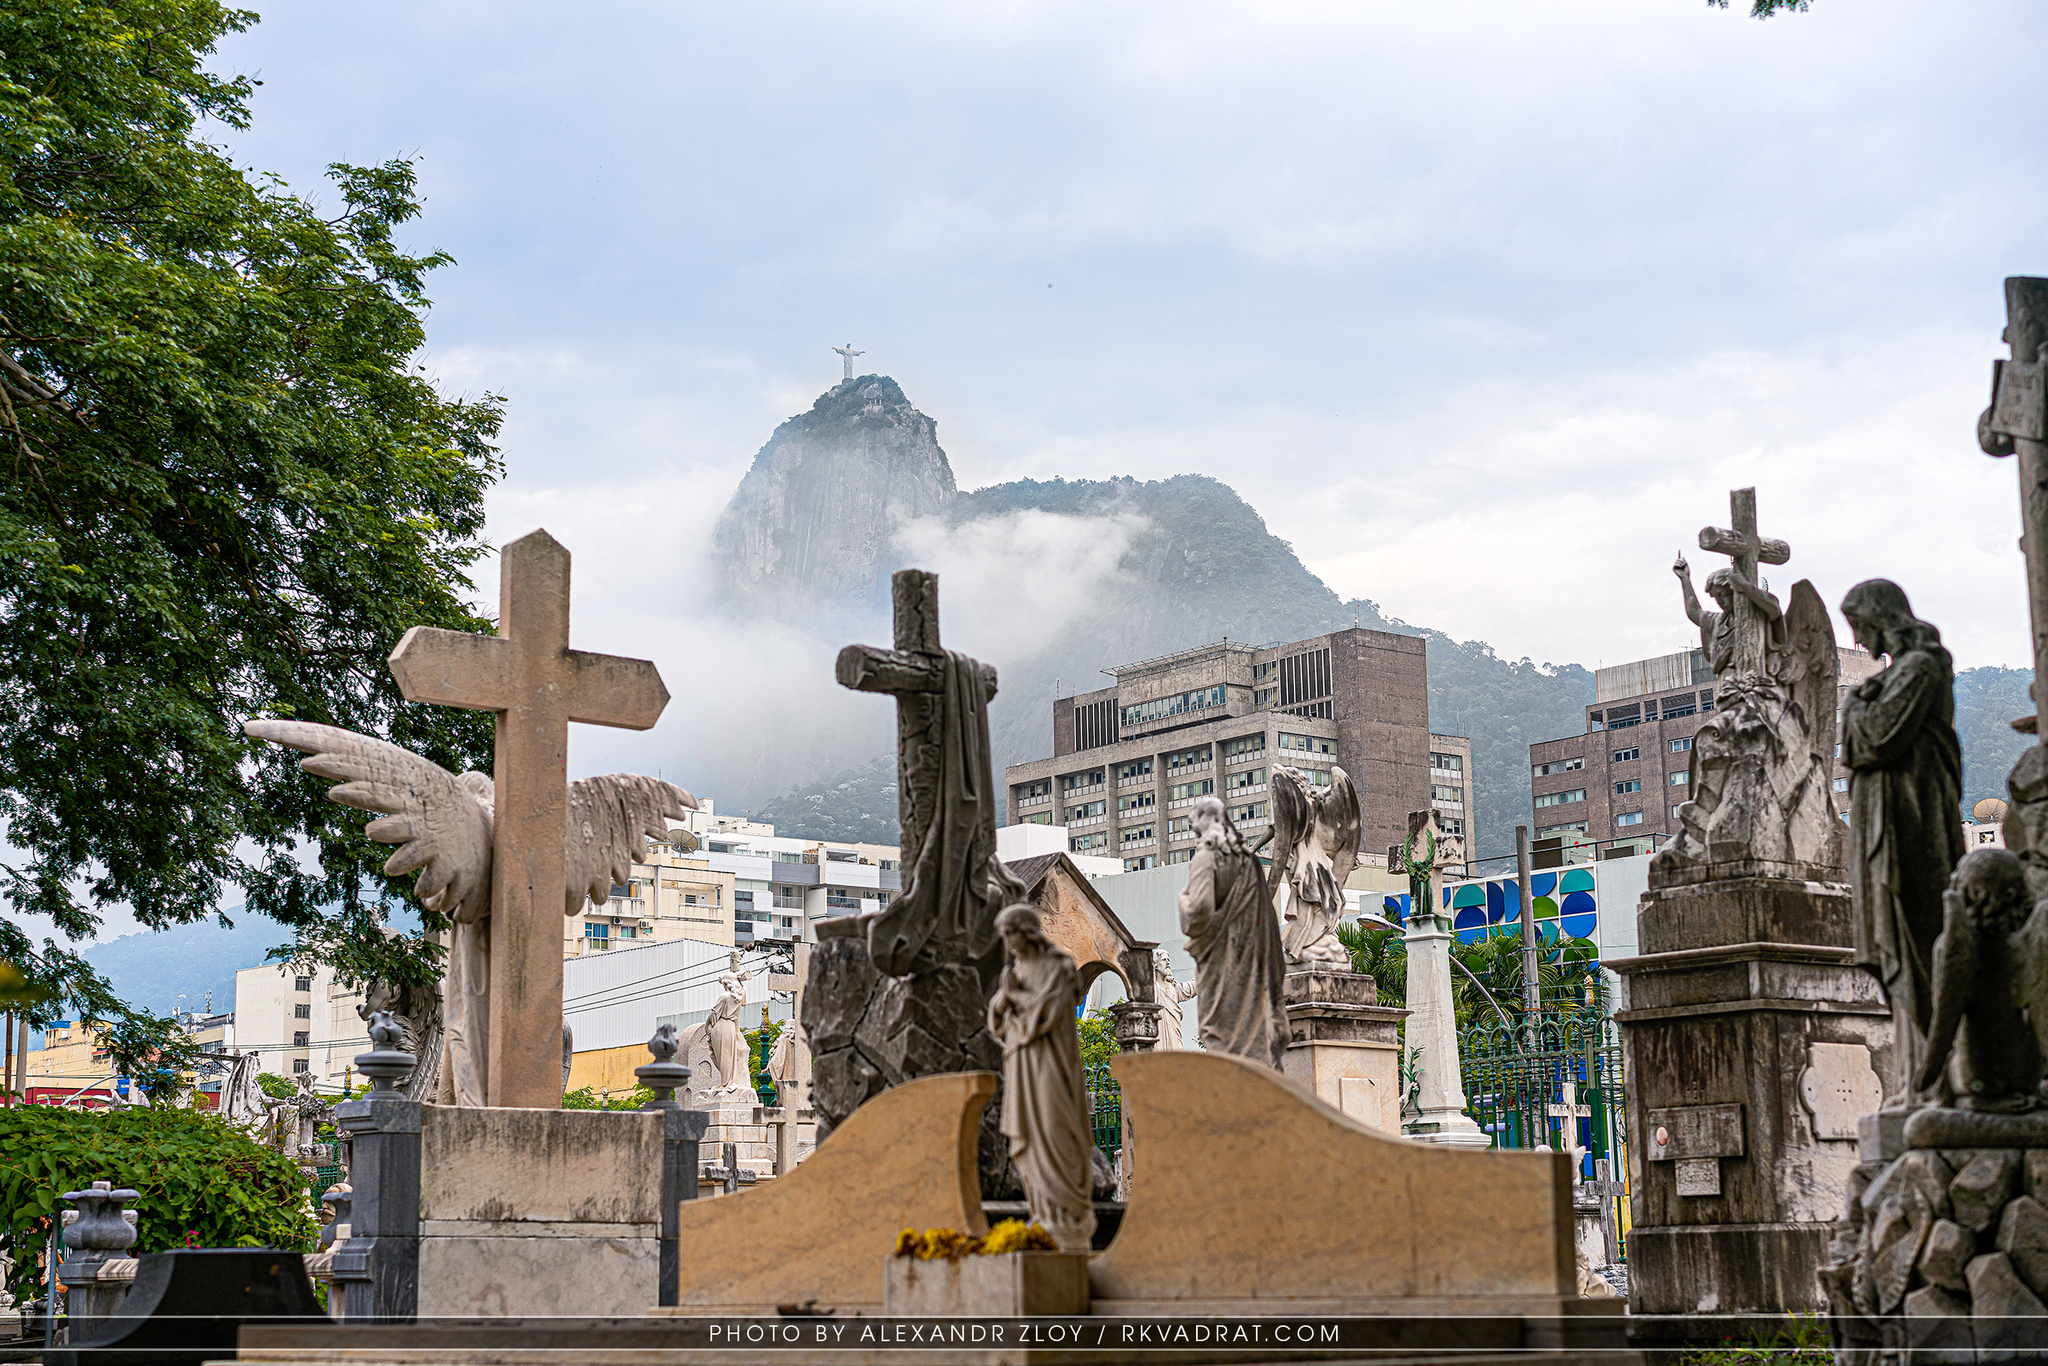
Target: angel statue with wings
1315,848
442,823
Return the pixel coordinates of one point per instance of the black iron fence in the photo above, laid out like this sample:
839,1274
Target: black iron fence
1105,1109
1554,1082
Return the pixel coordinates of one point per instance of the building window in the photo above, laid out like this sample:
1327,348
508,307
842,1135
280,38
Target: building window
1249,744
1095,724
1682,745
302,1038
302,1011
1200,787
742,900
1619,718
1243,779
1075,781
1307,744
302,984
1681,778
1593,721
1037,818
1838,751
1571,765
1025,792
1454,762
1632,785
1629,818
1137,834
1132,865
1187,758
1251,811
1573,828
1453,825
1577,794
1623,756
1319,776
1086,810
789,898
1178,855
593,930
1180,704
1082,843
1141,768
785,856
1140,802
1304,677
1841,784
1439,792
1263,673
301,1065
1179,825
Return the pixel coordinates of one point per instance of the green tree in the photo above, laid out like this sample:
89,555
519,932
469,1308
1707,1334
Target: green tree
228,489
1098,1037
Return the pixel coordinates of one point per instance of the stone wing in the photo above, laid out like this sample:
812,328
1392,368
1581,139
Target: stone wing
1337,825
1809,665
608,818
441,822
1294,814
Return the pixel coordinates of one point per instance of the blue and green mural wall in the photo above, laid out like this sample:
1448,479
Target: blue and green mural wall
1569,902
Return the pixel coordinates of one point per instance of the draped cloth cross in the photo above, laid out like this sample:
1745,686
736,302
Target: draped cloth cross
1746,549
537,685
945,789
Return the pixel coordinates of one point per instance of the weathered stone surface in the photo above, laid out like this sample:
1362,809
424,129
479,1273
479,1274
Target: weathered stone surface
1938,1324
492,1277
1997,1293
2037,1176
1947,1255
1982,1187
1899,1210
509,1166
2023,1236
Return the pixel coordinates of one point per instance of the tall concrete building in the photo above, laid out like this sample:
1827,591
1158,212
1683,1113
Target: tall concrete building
1624,777
1130,761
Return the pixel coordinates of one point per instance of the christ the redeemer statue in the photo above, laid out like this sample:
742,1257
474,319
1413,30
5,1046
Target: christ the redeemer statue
847,353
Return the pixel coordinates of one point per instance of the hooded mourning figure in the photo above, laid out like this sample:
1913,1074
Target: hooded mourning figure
1045,1103
1234,935
1905,808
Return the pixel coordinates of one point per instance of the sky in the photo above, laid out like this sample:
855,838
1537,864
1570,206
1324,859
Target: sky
1484,307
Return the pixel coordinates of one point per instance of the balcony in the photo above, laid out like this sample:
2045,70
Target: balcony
1085,822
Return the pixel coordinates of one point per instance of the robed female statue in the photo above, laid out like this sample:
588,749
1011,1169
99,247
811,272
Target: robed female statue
1045,1105
1905,809
1227,915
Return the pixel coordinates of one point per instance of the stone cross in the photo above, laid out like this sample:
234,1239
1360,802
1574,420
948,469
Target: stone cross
1743,546
537,685
1570,1112
915,672
2016,423
847,353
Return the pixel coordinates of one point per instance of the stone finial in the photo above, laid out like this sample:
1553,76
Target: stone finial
664,1075
386,1065
102,1224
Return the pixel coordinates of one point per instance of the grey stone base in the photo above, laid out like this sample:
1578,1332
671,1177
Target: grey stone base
493,1276
1726,1268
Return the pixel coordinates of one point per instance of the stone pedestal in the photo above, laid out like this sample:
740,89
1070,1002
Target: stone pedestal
1342,1045
1752,1046
1010,1285
741,1124
1433,1036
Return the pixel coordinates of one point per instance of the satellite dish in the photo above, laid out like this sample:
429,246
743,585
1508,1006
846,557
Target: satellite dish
682,840
1990,811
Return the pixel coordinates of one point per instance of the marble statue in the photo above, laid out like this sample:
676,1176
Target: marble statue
1045,1105
442,824
725,1034
1988,1031
789,1065
1905,807
242,1100
1234,936
1171,993
1315,847
1760,801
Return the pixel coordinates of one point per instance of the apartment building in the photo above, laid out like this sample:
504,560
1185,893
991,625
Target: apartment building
298,1019
1130,761
1625,776
782,886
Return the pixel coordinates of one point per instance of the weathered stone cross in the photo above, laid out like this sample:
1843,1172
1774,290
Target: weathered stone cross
1570,1112
1747,550
915,671
537,685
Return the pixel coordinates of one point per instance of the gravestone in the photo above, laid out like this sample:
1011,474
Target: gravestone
1748,1031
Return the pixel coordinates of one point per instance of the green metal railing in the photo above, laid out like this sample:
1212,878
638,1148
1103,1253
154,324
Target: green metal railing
1105,1109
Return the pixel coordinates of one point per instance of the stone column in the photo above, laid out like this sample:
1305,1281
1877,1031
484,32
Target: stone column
1433,1030
380,1262
1342,1044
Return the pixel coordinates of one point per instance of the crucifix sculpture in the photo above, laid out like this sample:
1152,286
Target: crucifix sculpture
847,353
945,788
537,685
1746,550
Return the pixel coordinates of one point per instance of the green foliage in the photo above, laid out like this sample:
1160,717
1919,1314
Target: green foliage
230,490
1764,9
1098,1037
761,1043
202,1182
276,1087
153,1050
1380,954
857,806
1802,1338
587,1098
1563,970
1987,700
